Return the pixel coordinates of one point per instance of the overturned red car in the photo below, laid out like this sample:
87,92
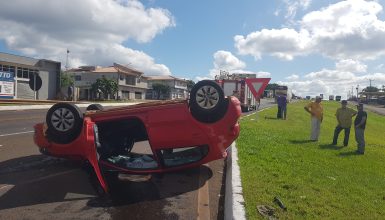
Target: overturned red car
180,133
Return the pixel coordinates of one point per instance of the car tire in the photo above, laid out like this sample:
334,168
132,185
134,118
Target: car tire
64,121
207,102
95,107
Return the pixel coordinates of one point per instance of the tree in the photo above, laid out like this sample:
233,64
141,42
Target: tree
371,89
190,84
66,79
104,86
161,89
271,86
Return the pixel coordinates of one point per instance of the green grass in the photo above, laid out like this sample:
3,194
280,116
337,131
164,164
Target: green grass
313,179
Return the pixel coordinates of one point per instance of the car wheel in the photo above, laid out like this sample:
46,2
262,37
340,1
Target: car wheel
97,107
207,102
64,121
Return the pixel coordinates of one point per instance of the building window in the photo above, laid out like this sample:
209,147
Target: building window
19,72
78,78
25,73
138,95
125,94
130,80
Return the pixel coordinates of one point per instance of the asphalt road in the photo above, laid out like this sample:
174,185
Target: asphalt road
34,186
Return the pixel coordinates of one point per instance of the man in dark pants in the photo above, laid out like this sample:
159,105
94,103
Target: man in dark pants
359,124
344,117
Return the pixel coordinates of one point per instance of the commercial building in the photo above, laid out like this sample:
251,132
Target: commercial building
131,83
19,75
178,87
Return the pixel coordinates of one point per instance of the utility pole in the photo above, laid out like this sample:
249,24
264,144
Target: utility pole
370,82
66,66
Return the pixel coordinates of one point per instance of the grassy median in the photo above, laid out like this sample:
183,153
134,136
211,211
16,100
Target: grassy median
313,179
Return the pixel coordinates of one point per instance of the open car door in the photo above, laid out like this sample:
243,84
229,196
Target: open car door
90,151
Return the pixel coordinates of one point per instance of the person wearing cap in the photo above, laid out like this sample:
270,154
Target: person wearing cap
344,117
316,111
359,125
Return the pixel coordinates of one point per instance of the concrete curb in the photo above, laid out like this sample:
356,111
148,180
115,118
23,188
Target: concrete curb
234,202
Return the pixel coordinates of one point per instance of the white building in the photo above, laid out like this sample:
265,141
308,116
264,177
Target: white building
131,83
178,87
19,73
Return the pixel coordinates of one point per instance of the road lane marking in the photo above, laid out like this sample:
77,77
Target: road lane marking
49,176
15,119
24,132
203,196
4,188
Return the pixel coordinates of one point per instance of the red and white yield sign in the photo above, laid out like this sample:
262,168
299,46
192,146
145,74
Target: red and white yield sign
257,85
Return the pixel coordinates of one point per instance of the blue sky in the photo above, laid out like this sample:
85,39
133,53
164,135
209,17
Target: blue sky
313,46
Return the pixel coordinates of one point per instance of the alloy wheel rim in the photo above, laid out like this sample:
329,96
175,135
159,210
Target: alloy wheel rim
63,119
207,97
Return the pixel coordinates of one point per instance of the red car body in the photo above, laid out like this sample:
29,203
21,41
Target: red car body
165,124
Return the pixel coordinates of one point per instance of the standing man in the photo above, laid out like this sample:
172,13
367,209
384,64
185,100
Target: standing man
344,117
316,111
282,104
279,112
359,125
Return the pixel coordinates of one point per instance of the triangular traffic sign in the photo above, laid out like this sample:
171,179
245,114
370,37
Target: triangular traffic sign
257,85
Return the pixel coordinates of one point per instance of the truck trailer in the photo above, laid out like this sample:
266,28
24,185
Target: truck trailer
248,90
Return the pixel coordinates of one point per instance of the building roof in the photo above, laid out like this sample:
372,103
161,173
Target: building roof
164,77
116,68
109,69
28,61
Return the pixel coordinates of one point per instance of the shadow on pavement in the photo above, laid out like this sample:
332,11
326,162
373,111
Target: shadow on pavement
41,179
159,187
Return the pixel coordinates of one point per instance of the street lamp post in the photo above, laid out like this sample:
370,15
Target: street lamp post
357,91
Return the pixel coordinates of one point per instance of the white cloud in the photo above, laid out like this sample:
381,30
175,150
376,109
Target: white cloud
292,7
380,66
225,60
292,77
283,43
93,30
346,30
332,82
351,66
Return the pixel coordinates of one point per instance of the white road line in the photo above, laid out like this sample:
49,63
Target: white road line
24,132
4,188
49,176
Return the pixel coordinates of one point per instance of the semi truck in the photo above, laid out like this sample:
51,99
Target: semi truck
283,90
248,90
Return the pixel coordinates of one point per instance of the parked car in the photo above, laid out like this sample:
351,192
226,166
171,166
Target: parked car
181,133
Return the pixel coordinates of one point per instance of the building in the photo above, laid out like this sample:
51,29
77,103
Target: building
178,87
19,74
131,83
